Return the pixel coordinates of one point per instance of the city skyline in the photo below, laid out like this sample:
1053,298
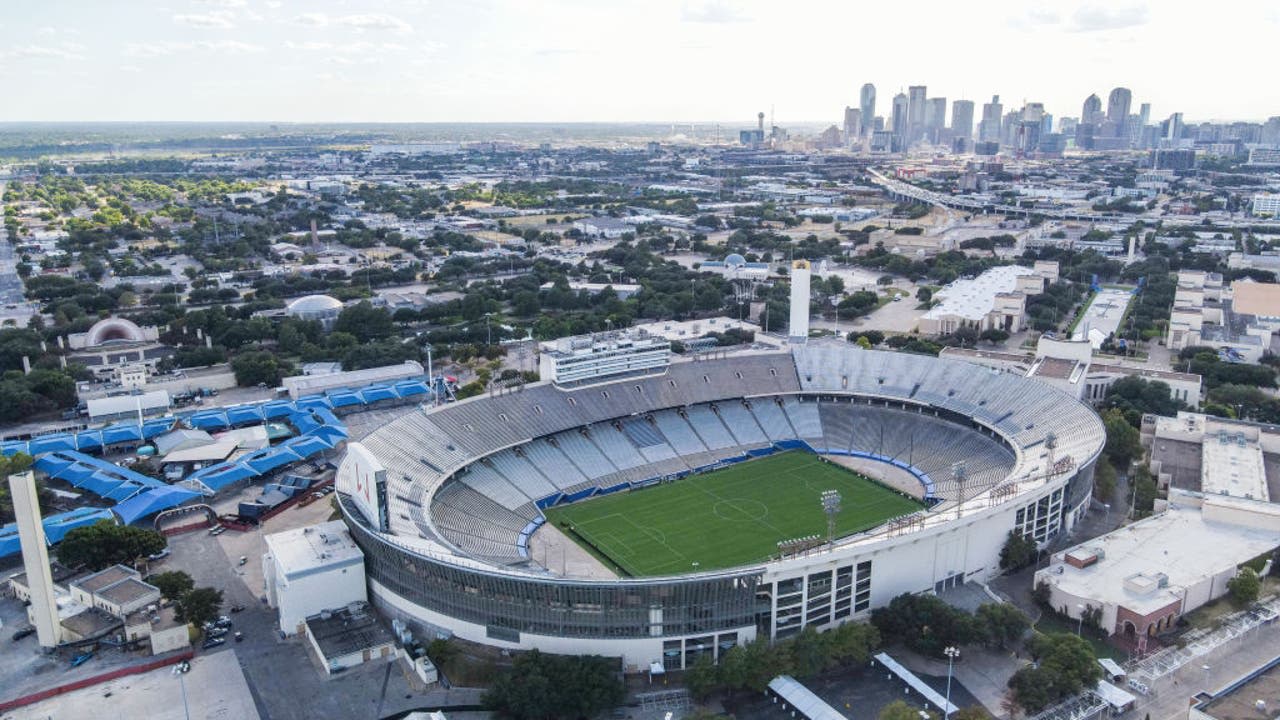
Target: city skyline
698,60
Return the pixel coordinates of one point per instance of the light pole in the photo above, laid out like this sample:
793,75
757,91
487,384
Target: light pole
952,653
831,506
182,681
1080,624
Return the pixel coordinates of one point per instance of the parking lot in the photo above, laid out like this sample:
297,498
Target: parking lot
214,689
280,671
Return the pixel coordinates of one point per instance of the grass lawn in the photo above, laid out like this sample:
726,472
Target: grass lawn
729,517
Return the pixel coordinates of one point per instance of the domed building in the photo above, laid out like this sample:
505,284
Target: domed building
315,307
113,343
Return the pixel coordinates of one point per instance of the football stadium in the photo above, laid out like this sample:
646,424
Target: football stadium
715,499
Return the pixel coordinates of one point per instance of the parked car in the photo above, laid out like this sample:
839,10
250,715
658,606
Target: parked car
217,633
212,643
222,620
160,555
239,636
237,608
24,632
243,559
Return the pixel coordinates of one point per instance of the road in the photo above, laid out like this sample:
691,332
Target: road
10,283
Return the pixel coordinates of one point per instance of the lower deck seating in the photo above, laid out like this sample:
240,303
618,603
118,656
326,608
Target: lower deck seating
484,511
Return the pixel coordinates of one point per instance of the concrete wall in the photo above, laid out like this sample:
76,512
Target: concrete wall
299,598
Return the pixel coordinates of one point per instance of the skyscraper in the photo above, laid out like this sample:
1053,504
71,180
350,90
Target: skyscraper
962,119
1091,113
1144,114
989,129
916,95
935,118
852,124
867,102
899,122
1118,103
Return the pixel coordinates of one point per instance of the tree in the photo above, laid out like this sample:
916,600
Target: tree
702,679
199,605
365,322
104,543
901,710
258,367
1244,587
925,623
1066,665
541,686
1104,481
924,295
994,336
11,465
1123,441
173,584
1018,552
1002,623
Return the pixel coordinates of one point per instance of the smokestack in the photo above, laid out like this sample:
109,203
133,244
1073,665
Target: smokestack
35,557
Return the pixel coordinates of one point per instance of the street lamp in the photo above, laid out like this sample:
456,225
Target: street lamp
952,653
182,680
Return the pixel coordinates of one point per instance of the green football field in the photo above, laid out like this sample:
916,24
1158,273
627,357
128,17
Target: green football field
729,517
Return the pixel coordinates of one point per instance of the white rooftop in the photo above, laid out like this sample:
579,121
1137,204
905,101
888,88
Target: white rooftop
973,298
202,453
1178,544
303,551
1231,464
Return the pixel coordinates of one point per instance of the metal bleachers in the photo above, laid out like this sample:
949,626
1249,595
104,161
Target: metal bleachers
742,424
678,433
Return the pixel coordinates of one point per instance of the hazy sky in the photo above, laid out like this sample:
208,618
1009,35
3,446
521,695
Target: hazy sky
603,60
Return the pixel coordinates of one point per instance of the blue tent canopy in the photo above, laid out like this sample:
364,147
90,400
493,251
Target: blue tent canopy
50,443
153,501
245,414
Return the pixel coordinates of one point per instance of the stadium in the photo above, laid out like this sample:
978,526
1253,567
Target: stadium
722,498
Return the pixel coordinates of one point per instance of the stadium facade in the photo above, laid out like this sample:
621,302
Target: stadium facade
443,501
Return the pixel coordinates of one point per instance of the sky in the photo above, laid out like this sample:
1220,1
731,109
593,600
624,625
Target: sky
620,60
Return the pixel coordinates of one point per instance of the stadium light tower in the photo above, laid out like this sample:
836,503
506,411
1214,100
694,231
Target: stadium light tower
959,474
831,506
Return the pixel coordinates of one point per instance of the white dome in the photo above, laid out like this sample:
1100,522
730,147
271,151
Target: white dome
735,260
313,305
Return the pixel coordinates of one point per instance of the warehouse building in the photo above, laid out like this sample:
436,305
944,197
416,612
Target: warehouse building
310,570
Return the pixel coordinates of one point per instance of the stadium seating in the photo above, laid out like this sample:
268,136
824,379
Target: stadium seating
742,424
584,454
678,433
772,420
562,445
706,424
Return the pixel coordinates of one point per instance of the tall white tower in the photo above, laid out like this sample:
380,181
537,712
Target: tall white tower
35,557
798,330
